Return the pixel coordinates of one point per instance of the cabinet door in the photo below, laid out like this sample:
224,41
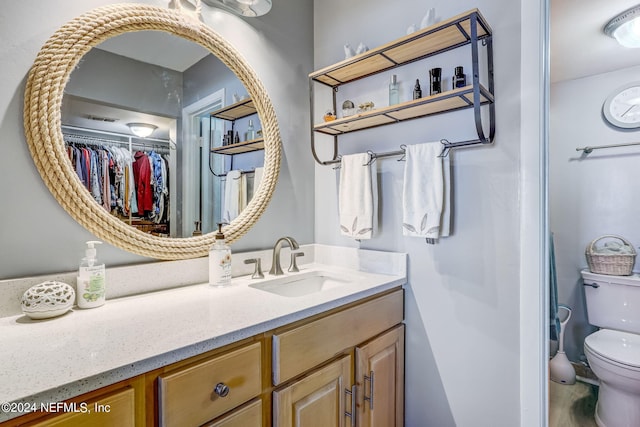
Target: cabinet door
380,379
317,400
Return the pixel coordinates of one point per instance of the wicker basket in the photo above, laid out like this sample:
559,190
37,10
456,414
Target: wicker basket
612,264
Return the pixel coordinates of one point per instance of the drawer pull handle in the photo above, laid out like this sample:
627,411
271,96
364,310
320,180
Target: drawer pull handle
221,389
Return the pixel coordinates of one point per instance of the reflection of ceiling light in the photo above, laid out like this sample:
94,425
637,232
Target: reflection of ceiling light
242,7
141,130
625,27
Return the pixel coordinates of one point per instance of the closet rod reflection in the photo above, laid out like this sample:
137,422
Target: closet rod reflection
169,142
588,150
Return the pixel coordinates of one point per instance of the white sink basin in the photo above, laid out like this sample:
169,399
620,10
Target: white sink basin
301,284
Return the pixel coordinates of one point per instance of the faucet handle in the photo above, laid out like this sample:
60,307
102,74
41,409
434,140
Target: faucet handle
293,268
257,273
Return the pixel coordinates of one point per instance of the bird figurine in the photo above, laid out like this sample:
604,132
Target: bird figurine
429,18
348,51
362,48
411,29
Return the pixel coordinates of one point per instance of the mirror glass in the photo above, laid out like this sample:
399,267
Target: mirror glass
169,183
182,110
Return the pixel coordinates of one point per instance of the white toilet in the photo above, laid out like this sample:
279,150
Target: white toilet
613,352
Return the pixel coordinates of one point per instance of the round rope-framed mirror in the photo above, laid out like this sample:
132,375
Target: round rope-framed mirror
42,122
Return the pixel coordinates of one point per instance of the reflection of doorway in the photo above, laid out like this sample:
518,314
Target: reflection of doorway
201,189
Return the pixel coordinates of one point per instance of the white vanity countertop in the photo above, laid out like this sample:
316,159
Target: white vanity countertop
53,360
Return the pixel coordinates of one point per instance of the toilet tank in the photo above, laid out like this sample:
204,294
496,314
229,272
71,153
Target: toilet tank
613,302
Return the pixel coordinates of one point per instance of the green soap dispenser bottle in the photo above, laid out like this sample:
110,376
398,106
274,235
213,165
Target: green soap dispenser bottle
220,261
91,279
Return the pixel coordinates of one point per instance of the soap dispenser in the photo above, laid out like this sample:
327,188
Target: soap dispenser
220,261
91,279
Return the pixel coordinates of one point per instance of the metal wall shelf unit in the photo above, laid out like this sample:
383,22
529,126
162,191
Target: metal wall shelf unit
464,29
233,112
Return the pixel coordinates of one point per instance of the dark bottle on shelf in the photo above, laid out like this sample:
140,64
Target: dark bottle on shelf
435,75
417,92
459,79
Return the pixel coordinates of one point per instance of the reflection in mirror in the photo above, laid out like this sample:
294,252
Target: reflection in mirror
168,183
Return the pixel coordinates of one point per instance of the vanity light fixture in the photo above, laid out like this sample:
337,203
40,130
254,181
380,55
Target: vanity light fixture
250,8
625,27
141,130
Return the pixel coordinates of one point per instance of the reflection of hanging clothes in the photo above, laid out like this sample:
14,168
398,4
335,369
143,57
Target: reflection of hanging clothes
107,171
142,179
107,164
159,182
94,177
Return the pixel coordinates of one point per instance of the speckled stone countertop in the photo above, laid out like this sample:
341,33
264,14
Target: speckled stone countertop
53,360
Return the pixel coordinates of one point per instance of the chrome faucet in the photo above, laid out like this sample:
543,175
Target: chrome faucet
276,268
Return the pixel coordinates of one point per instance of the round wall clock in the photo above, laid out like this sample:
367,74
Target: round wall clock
622,107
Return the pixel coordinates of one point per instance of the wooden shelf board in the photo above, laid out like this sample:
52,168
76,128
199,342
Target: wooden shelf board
428,41
447,101
236,111
241,147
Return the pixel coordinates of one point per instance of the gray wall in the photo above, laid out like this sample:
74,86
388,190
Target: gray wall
37,236
592,195
463,299
124,82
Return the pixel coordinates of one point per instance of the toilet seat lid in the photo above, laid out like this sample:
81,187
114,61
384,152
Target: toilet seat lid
621,347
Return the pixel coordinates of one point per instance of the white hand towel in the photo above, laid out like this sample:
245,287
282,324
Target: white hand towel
423,193
357,197
445,223
257,178
235,195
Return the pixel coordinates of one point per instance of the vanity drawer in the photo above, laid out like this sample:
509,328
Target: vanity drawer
304,347
248,416
197,394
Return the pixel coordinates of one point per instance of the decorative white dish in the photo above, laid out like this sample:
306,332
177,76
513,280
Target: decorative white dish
48,299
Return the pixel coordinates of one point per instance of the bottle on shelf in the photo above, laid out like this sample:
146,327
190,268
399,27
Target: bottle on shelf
435,75
251,134
394,91
459,79
417,91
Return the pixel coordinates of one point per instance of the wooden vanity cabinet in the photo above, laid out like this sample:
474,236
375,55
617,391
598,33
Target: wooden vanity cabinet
343,368
363,386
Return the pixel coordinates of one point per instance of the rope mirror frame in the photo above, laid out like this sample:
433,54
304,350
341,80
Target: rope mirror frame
42,123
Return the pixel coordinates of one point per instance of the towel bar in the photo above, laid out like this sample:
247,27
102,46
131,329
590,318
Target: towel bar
446,147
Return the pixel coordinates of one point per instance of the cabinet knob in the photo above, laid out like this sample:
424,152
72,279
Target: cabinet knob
221,389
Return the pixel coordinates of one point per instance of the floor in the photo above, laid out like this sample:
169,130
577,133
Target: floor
572,405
